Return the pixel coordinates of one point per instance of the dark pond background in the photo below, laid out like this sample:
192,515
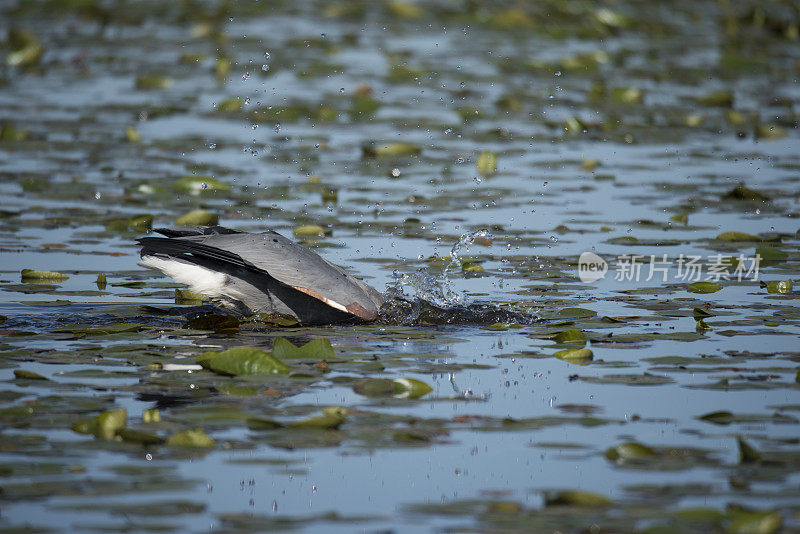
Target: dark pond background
379,134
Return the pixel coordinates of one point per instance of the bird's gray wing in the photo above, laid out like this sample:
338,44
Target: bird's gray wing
284,260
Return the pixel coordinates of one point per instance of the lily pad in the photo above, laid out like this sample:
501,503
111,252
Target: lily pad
191,438
242,361
703,287
317,349
31,275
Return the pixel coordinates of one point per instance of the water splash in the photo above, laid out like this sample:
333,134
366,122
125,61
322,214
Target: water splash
433,300
437,290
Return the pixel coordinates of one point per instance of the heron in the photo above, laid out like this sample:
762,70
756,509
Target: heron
249,273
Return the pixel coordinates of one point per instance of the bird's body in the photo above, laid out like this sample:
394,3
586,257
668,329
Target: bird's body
260,273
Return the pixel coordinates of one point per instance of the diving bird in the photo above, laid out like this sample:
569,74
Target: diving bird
260,273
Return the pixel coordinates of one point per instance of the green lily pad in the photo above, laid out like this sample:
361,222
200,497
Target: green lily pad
410,388
577,498
377,150
196,185
322,422
406,388
630,451
576,313
487,163
778,286
191,438
570,336
100,330
737,237
747,453
242,361
703,287
307,231
104,426
755,522
31,275
28,375
771,254
579,356
317,349
138,436
198,218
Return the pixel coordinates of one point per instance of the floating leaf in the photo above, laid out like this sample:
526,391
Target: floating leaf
230,104
142,223
627,95
721,98
322,422
138,436
503,326
101,281
373,150
778,286
471,267
410,388
680,218
26,49
770,131
771,254
148,82
741,192
747,454
700,313
754,522
105,425
406,10
263,423
191,438
737,237
317,349
576,313
100,330
307,231
132,135
579,356
570,336
703,287
187,296
630,451
196,185
151,415
576,498
487,163
28,375
278,319
198,218
407,388
242,361
31,275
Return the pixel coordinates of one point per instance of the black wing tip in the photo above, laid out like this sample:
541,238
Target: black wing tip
196,231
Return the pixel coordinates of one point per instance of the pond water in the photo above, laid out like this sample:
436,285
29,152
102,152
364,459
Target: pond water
659,138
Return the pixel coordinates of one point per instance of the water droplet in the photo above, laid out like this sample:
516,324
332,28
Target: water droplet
212,146
267,56
558,73
204,185
265,67
553,239
477,180
395,172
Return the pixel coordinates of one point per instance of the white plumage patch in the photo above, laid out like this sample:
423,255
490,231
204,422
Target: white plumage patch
199,279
